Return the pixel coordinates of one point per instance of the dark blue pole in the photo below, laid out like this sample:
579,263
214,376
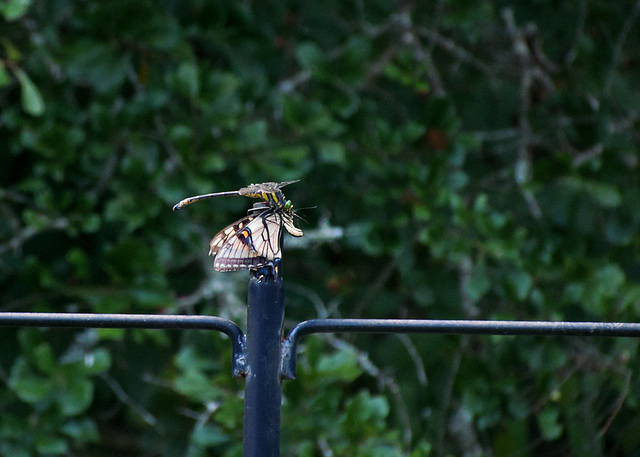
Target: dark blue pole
263,390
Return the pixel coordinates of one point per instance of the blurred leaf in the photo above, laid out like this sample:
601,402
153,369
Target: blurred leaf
332,152
13,54
50,445
76,395
97,65
309,56
43,357
607,196
97,361
195,385
32,101
422,449
16,450
478,284
208,436
230,413
602,287
341,365
14,9
5,78
521,283
253,135
548,423
28,386
82,430
187,80
188,358
365,409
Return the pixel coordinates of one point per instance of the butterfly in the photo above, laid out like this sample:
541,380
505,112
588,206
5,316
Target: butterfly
254,241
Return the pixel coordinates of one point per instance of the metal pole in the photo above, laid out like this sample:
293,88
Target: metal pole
458,327
162,321
263,389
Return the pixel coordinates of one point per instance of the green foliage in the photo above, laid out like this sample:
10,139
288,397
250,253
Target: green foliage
322,415
459,159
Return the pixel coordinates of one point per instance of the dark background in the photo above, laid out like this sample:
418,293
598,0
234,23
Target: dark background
456,159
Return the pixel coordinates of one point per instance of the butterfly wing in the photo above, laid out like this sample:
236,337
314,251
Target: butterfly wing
287,220
249,243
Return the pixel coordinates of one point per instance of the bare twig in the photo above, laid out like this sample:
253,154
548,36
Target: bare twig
448,392
579,33
322,310
28,232
376,285
127,400
617,405
289,85
586,156
465,267
534,68
461,427
410,38
384,380
421,373
616,55
455,50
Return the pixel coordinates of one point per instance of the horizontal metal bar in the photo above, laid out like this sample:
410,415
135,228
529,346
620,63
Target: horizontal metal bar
543,328
146,321
465,326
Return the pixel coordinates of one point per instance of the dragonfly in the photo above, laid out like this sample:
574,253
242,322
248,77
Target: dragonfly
254,241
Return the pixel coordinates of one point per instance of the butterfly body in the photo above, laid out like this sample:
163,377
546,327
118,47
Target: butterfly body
255,240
